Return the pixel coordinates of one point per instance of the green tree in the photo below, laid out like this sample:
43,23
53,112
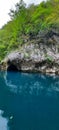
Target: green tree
18,8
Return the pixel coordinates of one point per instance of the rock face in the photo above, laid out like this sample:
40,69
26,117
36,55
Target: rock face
39,54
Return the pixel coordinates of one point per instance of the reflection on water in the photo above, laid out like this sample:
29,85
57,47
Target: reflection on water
32,83
3,121
29,101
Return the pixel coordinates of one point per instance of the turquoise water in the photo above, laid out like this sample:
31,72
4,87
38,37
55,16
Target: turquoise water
29,101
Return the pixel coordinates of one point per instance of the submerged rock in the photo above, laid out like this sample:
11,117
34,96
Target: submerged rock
40,54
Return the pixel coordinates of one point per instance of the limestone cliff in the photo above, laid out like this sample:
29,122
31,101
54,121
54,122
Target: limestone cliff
39,53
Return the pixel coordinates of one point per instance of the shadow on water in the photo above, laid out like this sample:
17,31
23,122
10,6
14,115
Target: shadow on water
29,101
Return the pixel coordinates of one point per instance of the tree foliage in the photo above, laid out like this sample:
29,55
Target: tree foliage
19,7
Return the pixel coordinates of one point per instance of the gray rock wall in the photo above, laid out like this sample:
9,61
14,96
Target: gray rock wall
39,54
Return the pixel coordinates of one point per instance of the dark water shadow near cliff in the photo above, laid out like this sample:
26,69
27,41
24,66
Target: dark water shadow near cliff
30,101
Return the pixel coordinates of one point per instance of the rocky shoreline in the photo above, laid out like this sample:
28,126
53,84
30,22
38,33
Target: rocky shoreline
38,54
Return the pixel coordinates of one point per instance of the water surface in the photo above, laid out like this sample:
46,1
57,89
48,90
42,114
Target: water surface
29,101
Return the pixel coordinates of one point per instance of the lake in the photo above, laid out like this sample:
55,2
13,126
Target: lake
29,101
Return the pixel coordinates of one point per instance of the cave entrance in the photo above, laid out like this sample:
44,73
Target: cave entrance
12,67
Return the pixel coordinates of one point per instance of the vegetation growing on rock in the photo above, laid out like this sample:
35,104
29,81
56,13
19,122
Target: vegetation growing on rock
27,23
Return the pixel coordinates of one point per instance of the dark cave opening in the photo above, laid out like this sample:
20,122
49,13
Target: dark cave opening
12,67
